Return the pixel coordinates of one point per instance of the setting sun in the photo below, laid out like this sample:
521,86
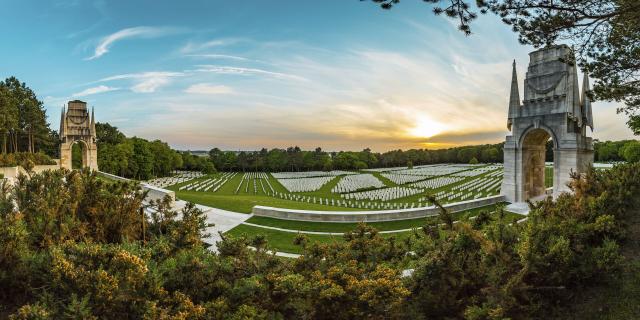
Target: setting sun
426,127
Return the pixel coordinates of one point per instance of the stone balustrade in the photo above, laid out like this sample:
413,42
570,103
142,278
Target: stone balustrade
370,216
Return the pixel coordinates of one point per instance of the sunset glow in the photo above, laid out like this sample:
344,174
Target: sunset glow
426,128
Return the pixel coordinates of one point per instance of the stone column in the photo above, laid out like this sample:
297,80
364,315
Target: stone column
509,181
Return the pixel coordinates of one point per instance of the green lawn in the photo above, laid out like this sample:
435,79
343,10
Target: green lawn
548,177
283,241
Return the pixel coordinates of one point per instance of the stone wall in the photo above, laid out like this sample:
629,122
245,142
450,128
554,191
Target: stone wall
369,216
11,173
153,193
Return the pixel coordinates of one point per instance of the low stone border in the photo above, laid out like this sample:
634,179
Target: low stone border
153,192
370,216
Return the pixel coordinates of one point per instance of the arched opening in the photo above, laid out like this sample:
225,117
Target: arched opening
548,169
537,175
79,155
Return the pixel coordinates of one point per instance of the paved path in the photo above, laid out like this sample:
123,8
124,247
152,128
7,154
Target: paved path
281,254
523,207
223,221
518,207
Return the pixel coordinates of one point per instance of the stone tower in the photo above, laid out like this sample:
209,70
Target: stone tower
77,126
553,107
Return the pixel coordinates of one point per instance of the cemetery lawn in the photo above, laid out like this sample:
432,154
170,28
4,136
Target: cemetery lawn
548,177
247,196
227,199
244,203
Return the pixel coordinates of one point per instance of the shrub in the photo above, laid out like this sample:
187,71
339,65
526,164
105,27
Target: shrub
21,158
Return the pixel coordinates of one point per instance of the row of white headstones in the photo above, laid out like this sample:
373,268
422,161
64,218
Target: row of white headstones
176,177
348,203
347,185
310,174
209,184
475,189
314,180
356,182
254,178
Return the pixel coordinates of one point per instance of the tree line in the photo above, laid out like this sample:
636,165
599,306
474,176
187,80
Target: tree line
77,247
623,150
296,159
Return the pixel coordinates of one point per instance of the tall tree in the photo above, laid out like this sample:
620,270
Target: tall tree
8,114
25,118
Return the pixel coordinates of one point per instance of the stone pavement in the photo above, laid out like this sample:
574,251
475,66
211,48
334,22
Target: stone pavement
518,207
223,221
523,207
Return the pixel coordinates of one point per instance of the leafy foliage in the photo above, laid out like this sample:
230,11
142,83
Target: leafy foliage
134,157
296,159
631,151
20,158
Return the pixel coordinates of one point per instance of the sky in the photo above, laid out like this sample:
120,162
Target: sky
247,74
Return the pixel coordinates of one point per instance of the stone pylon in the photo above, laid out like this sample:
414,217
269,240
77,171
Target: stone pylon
77,126
553,108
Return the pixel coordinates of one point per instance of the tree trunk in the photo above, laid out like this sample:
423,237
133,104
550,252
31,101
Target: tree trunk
11,146
15,141
30,140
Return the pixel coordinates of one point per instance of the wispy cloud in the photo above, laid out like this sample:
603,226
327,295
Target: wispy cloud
191,47
247,71
217,56
143,75
135,32
208,88
94,90
146,82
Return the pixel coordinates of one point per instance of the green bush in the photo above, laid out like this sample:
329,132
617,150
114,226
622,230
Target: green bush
21,158
631,151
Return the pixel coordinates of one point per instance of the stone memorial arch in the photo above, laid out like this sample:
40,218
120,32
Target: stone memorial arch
553,108
77,126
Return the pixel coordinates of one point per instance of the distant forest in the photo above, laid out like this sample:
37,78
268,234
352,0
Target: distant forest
295,159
